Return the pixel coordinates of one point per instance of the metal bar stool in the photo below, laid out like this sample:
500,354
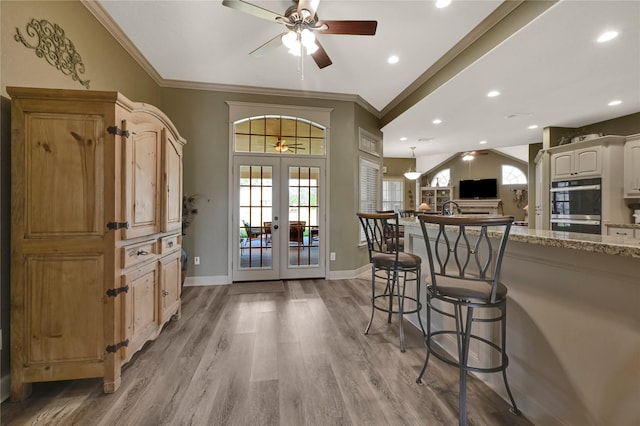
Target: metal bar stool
388,262
463,285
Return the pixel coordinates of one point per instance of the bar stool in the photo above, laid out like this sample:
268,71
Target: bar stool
463,285
388,262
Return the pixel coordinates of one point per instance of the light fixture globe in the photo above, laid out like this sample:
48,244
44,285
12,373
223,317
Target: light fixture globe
289,39
412,174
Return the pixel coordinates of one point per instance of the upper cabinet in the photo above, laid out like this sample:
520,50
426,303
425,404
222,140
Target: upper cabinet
141,175
580,159
632,167
584,162
171,183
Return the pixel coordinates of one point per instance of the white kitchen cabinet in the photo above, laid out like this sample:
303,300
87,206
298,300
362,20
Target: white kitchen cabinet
621,231
632,167
541,211
578,163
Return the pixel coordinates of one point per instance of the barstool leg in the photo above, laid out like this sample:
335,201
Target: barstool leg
505,359
392,288
427,341
463,360
373,298
418,304
401,306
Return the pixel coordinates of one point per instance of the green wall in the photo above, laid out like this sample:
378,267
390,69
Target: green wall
202,119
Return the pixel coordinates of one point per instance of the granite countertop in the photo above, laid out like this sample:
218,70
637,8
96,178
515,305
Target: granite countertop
606,244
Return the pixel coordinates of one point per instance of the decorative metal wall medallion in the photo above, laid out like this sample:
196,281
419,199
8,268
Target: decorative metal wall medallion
51,43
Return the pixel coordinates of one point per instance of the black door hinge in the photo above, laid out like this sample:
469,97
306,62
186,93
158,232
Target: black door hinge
113,292
112,226
114,348
114,130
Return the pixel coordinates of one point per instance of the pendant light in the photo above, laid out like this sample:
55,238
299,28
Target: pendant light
412,174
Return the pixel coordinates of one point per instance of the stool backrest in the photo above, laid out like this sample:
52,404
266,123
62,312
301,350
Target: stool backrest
462,247
407,213
381,231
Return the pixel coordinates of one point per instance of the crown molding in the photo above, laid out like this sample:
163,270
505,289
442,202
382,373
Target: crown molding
255,90
114,29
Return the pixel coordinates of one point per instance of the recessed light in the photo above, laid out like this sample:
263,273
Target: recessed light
437,121
403,138
493,94
614,103
533,126
393,59
442,3
483,142
609,35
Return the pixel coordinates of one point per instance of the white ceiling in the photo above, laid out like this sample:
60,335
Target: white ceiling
550,73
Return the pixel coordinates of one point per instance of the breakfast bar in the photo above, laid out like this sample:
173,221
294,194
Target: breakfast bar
574,325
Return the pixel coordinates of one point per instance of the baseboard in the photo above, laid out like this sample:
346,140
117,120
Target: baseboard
5,387
207,280
226,279
350,274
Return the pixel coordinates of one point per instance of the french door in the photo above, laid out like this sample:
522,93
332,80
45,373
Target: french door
278,218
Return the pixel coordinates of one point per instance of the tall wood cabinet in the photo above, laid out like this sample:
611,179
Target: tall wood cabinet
96,222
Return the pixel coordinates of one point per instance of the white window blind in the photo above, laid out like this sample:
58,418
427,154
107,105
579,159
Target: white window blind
369,188
392,194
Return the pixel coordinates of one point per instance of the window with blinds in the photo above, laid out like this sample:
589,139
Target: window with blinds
392,194
369,188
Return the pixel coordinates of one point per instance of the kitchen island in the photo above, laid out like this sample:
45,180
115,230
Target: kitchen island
573,327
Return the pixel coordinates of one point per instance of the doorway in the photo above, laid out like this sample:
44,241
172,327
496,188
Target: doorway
278,218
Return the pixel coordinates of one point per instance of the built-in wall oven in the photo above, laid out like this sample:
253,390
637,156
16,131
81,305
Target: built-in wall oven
576,205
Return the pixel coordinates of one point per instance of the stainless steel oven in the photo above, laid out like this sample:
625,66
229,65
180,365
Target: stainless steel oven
576,205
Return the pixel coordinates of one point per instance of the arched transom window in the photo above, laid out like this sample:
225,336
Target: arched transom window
441,178
512,176
277,134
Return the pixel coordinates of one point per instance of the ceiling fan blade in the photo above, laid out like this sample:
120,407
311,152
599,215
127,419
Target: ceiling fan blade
268,47
310,6
320,56
252,9
350,27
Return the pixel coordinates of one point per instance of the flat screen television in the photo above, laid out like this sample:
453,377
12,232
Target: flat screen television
478,189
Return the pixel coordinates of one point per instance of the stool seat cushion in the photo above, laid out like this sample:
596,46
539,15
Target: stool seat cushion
466,289
387,260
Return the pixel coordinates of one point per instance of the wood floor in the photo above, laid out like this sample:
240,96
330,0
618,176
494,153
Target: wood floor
292,357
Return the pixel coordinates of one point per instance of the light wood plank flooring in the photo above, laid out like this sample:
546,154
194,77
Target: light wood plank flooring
297,357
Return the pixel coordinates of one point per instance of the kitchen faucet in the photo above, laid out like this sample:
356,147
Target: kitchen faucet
447,212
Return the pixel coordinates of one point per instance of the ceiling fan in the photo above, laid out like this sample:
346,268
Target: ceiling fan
302,23
283,146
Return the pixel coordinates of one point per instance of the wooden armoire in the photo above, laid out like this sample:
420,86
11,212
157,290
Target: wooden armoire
96,211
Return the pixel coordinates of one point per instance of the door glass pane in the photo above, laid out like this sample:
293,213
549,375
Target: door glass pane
256,207
303,238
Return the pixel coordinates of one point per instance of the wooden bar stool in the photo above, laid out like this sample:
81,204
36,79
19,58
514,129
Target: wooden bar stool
389,262
463,285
